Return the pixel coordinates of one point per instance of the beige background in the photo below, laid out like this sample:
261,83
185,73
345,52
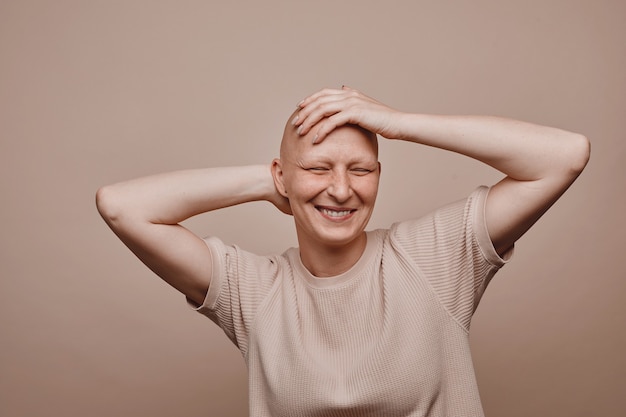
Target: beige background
92,92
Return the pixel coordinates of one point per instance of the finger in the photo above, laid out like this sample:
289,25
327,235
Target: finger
306,106
326,91
328,125
314,114
322,96
323,106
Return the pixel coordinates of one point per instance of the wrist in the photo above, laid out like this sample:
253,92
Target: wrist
395,125
263,182
407,126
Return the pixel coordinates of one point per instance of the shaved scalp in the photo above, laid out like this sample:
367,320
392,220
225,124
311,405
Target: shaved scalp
290,136
292,143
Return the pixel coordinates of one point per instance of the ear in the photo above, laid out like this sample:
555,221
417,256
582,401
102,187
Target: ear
277,174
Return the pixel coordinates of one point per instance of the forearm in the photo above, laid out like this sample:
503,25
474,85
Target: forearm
522,151
539,162
173,197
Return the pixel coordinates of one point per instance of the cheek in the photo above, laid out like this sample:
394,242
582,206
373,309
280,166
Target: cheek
368,189
305,187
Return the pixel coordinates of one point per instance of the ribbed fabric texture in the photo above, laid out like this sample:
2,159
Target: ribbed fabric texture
387,338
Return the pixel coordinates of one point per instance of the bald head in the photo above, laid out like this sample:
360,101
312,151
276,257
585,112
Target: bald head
293,144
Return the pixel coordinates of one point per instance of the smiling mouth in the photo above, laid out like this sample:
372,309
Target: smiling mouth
334,213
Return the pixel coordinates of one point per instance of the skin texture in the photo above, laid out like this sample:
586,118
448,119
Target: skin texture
539,162
332,188
329,162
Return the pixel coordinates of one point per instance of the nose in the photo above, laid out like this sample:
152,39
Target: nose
340,188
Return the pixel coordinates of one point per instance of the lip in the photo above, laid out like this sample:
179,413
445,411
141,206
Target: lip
324,209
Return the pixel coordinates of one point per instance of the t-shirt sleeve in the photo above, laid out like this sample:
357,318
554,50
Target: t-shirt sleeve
452,250
239,282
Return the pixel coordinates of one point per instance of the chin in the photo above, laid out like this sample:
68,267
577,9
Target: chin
341,239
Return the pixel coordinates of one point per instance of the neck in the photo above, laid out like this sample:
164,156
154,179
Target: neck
327,260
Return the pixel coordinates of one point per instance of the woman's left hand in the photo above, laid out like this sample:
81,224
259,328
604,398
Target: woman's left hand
331,108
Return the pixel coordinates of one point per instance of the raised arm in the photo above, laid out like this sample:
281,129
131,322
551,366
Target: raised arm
145,214
539,162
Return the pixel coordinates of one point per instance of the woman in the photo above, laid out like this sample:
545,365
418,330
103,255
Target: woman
351,323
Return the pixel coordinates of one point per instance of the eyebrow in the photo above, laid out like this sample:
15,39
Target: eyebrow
304,160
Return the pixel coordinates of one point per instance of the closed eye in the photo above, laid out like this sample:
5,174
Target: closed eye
361,171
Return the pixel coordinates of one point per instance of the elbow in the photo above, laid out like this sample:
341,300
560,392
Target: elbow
580,152
107,204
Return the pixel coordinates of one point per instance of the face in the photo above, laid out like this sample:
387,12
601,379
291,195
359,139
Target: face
331,186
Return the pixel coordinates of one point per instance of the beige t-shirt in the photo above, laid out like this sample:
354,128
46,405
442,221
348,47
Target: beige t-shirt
388,338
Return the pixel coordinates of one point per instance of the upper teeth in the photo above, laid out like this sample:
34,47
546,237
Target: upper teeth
334,213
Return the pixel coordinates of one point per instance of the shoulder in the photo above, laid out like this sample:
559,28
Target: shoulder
458,225
237,269
451,216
